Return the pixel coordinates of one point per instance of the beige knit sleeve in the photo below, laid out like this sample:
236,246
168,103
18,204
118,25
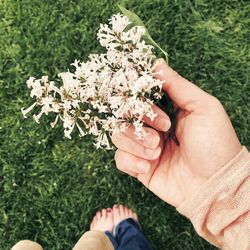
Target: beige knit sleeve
94,240
220,210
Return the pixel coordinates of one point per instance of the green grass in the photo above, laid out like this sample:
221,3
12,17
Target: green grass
50,187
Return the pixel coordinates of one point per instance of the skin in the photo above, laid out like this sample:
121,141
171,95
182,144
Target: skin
205,133
107,218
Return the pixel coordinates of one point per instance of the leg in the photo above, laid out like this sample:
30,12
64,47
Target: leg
26,245
100,235
128,233
104,221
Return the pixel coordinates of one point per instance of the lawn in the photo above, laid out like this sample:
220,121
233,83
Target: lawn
50,186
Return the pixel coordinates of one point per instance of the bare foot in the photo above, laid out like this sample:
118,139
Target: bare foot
103,220
121,213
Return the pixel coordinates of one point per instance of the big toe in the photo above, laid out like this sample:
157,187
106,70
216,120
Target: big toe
116,211
135,216
122,210
126,211
130,212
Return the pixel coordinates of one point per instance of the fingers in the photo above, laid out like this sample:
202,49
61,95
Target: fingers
151,140
134,156
184,93
161,121
125,143
131,164
136,166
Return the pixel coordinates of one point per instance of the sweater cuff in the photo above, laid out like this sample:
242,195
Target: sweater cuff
229,176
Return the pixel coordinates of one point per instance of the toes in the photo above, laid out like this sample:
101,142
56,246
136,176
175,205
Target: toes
135,217
93,219
93,222
110,218
109,212
126,211
116,210
91,225
122,210
98,215
116,213
130,213
104,213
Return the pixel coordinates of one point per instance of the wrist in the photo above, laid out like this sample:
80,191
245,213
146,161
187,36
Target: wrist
217,183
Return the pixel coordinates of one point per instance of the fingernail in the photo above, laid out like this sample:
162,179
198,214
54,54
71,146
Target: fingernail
153,153
143,167
162,123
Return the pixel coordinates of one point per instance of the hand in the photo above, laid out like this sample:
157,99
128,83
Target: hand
206,136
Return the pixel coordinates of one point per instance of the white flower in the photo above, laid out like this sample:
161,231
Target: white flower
38,116
80,130
37,89
107,37
26,111
119,22
140,132
151,115
108,92
30,82
134,34
53,124
66,105
102,141
47,104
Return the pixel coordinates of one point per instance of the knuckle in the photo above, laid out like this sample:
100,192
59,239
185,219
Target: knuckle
142,152
130,130
210,103
116,139
215,103
176,74
150,130
155,134
131,135
138,150
119,159
117,155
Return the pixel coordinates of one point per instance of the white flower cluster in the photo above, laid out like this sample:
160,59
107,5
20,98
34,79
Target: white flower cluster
109,92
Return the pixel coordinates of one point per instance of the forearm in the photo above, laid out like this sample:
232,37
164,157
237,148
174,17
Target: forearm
220,211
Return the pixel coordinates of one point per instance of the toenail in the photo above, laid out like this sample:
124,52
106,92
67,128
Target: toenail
109,210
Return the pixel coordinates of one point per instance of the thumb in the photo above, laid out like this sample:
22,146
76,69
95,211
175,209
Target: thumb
183,93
